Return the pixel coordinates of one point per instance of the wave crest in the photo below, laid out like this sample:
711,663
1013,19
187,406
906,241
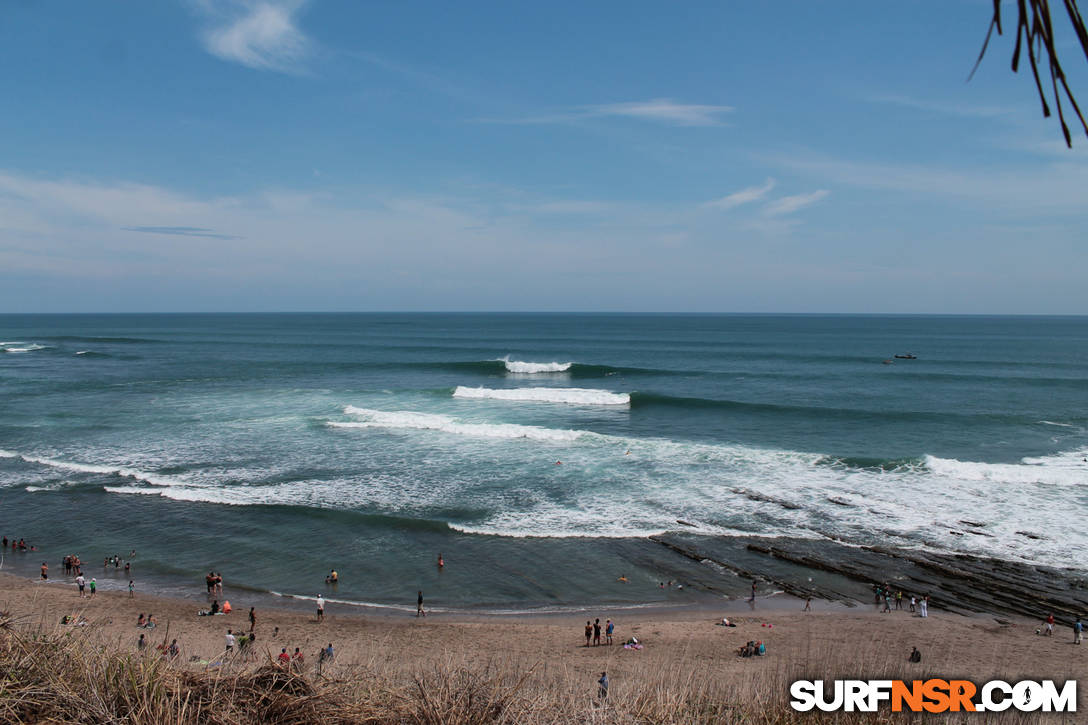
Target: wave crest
404,419
570,396
532,368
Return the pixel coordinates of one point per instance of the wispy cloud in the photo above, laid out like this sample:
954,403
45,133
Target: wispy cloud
664,110
744,196
946,108
260,34
791,204
182,232
1042,188
657,110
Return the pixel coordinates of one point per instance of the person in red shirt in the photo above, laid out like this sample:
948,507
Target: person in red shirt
284,658
1049,625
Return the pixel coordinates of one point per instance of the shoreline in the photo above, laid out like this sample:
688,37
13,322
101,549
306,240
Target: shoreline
244,597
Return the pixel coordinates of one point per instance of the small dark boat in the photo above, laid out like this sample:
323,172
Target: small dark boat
908,356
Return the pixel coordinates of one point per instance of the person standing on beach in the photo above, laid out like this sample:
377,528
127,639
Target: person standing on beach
925,606
131,589
913,603
230,642
320,608
252,619
609,627
81,582
808,605
602,686
1049,625
753,597
1078,631
589,631
596,632
94,587
899,599
419,605
45,571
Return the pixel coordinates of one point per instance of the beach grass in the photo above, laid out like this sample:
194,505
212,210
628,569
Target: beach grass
59,675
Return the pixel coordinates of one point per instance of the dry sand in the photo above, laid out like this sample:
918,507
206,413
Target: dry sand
858,642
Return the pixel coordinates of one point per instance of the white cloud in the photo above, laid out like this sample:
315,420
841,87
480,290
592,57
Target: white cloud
260,34
790,204
664,110
744,196
657,110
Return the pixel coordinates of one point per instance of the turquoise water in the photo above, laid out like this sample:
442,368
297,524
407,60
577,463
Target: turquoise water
274,447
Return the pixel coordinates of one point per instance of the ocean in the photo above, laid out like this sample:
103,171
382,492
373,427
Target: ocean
536,452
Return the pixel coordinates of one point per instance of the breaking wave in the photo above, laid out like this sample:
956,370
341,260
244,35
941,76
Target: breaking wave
569,396
446,424
532,368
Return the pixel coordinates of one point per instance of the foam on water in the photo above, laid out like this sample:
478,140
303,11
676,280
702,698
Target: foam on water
569,396
532,368
1065,469
404,419
616,486
122,471
29,348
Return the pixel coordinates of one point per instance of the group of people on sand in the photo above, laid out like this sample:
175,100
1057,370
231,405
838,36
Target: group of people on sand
215,609
1048,628
593,632
147,622
753,648
884,594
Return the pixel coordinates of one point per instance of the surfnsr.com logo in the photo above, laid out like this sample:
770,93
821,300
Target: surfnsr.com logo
933,695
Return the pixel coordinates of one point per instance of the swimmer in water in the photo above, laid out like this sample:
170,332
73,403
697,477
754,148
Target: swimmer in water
628,452
623,579
441,563
559,463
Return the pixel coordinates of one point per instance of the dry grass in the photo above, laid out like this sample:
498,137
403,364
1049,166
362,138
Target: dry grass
64,676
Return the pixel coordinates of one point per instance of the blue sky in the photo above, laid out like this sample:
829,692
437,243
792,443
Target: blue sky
703,156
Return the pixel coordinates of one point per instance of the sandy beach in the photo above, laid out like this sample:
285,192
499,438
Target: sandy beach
677,645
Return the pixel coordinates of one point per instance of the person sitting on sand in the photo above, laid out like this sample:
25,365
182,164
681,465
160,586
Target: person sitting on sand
915,655
150,623
215,606
284,658
140,621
